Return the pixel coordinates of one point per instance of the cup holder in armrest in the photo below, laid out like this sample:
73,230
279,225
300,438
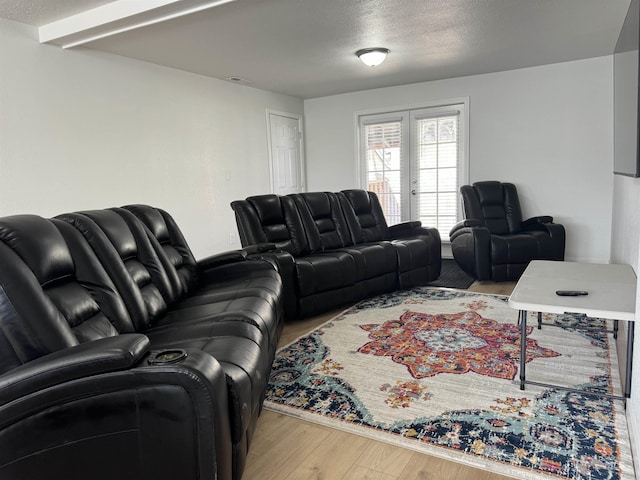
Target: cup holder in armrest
166,357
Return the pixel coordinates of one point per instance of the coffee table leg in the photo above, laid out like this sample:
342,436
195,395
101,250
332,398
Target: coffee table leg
539,320
523,346
627,381
615,328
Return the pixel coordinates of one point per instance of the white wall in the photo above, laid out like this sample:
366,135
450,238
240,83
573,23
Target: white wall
81,129
547,129
625,245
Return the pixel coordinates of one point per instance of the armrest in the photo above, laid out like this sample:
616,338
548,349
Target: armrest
471,248
469,223
400,228
233,256
100,356
554,249
259,248
537,220
219,259
171,418
285,265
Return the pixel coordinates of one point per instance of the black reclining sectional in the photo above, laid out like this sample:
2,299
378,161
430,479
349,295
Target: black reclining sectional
123,357
333,249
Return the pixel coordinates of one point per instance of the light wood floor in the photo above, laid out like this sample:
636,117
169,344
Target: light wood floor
286,448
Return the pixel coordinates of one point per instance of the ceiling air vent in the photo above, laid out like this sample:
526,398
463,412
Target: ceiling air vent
240,80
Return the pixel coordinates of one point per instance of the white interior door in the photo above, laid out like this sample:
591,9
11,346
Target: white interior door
285,156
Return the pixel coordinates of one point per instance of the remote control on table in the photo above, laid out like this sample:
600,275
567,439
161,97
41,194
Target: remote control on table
571,293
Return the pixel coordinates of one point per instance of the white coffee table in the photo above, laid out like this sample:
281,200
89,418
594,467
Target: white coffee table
611,294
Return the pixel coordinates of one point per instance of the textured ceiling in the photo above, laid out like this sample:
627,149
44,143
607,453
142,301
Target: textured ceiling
306,48
40,12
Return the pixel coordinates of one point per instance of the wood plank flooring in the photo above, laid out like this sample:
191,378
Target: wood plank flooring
286,448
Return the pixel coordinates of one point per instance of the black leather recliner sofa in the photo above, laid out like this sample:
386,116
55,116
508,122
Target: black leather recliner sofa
123,357
336,248
494,242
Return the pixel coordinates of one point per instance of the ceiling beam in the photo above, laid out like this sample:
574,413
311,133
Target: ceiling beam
117,17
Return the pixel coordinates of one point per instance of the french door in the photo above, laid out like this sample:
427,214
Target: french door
415,160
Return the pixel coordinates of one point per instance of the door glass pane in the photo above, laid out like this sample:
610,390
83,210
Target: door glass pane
428,181
383,150
447,129
446,223
428,205
447,203
447,180
437,167
428,157
428,131
391,207
447,155
392,182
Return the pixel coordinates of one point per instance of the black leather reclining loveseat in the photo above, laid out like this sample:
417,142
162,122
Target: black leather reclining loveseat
333,249
123,357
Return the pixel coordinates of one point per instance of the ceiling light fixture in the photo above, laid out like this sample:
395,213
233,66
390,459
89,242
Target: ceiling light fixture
372,56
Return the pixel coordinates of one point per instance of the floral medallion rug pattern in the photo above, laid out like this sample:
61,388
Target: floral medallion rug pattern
435,370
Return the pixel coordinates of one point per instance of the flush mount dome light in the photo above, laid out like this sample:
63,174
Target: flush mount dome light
372,56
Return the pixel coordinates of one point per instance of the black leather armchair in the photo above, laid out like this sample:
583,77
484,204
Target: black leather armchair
493,242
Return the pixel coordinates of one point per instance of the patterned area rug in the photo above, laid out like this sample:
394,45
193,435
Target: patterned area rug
436,371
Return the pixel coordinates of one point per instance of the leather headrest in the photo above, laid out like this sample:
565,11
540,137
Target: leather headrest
318,203
153,219
268,208
359,200
116,230
489,193
39,244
